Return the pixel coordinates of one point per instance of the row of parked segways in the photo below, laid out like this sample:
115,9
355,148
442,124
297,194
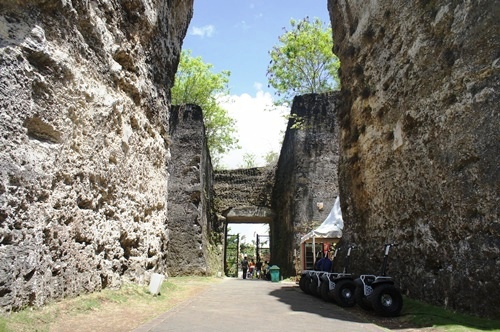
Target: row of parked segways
369,291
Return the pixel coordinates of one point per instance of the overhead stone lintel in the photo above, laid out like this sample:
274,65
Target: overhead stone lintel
250,214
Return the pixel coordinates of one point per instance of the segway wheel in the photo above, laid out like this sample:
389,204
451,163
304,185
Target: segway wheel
343,293
307,285
313,286
360,299
302,282
325,292
386,300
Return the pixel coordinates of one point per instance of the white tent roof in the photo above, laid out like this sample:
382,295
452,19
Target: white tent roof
331,227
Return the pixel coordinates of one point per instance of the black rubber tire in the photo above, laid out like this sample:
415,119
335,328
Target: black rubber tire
313,286
307,285
343,293
386,300
360,298
302,282
325,292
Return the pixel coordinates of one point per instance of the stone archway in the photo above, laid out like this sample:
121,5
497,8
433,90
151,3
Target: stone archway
234,242
249,214
243,197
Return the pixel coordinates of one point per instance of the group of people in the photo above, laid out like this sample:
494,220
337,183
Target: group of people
259,270
252,270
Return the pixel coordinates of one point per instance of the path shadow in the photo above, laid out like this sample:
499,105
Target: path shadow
299,301
293,296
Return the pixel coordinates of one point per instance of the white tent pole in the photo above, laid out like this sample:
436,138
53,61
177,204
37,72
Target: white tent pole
314,250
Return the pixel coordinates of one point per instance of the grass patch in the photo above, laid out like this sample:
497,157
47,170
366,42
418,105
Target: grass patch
132,304
419,314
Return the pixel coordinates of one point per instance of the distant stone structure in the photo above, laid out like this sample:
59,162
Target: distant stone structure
244,195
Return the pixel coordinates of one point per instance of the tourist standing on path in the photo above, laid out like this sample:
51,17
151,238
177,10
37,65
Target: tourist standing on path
258,268
251,268
244,267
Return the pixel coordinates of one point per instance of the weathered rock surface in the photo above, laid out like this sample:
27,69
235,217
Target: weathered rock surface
195,246
244,195
306,175
420,144
83,150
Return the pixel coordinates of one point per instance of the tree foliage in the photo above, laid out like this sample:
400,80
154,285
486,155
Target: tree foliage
195,83
302,62
247,249
271,158
248,161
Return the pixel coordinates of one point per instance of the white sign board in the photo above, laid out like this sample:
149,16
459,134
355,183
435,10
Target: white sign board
155,283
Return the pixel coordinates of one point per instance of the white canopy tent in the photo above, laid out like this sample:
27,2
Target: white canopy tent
331,228
329,232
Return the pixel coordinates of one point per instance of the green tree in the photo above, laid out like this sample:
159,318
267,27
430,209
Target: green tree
247,249
195,83
248,161
302,62
271,157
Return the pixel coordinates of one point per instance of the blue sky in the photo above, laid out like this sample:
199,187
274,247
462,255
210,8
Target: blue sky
236,35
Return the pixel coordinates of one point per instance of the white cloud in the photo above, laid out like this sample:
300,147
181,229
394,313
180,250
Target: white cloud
260,126
243,25
204,31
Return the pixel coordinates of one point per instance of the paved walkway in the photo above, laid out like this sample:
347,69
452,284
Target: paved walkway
256,305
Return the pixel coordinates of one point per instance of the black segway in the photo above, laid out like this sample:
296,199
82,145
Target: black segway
378,292
327,277
315,282
340,287
304,281
310,281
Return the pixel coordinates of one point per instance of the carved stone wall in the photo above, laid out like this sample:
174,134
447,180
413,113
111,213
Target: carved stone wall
419,144
306,175
84,91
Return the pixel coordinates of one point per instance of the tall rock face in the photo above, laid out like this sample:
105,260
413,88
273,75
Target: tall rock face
83,147
420,143
195,246
306,182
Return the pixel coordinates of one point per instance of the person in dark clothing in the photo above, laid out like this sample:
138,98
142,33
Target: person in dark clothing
244,267
258,268
327,264
324,264
318,266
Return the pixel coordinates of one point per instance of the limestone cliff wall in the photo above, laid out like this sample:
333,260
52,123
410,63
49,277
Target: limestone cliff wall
419,144
306,175
195,246
83,146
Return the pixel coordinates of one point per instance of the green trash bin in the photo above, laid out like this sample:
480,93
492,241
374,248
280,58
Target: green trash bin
275,273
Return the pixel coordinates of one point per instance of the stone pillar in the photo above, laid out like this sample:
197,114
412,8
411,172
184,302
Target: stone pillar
306,182
195,246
